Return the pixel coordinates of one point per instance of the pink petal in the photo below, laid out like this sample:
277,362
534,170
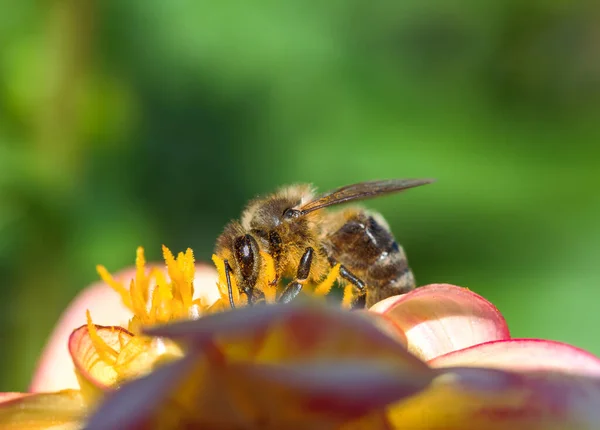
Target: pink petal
346,389
475,399
524,355
294,331
55,369
441,318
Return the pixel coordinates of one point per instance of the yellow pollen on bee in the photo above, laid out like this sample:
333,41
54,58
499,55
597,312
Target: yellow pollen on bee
265,283
348,296
325,287
269,288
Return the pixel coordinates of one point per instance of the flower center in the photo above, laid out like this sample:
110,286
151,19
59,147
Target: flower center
154,299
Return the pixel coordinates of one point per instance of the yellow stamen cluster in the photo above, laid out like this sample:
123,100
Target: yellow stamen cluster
155,300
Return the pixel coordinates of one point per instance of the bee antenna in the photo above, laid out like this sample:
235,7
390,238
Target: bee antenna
229,289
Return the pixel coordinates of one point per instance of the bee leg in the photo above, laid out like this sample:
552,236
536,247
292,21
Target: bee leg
294,287
360,300
229,289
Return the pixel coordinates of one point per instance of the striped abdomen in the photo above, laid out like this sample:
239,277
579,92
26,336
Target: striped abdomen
365,245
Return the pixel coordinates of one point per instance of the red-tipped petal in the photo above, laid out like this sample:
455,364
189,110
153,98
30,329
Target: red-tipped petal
441,318
88,358
61,410
475,399
524,355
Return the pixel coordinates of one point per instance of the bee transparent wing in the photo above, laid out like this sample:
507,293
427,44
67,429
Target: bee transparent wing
361,191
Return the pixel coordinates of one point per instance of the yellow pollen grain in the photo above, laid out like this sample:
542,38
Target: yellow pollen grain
104,351
325,287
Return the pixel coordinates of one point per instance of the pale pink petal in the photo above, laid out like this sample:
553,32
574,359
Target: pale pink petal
294,331
524,355
55,368
441,318
479,398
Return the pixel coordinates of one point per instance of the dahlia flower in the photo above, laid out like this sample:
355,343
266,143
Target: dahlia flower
159,348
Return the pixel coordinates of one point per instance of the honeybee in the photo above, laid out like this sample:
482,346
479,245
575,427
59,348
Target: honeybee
306,242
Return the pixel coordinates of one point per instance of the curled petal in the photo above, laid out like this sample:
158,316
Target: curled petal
441,318
524,355
104,357
96,360
475,399
61,410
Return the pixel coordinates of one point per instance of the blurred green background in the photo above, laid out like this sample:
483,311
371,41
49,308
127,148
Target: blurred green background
142,122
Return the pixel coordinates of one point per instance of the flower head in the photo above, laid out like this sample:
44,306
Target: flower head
440,357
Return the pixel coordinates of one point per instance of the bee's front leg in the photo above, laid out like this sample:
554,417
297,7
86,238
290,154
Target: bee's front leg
294,287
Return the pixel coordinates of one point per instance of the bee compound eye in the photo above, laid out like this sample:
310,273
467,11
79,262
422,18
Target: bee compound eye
246,250
291,213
